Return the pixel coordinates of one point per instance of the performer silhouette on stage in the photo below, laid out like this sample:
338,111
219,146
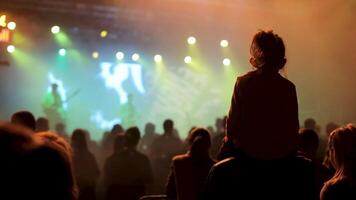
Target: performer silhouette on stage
53,106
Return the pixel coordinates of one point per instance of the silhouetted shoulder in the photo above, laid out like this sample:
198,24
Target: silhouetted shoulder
181,157
256,74
225,164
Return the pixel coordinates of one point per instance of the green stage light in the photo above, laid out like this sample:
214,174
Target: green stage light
135,57
62,52
158,58
227,61
191,40
95,55
188,59
224,43
10,48
119,55
103,33
55,29
11,25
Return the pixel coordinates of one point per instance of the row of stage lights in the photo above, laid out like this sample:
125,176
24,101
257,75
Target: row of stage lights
134,57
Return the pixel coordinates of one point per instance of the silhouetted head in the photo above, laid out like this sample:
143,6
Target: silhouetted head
79,140
119,143
149,128
267,51
15,144
60,128
308,142
25,119
310,123
117,129
42,124
342,149
330,127
52,167
132,136
168,126
199,141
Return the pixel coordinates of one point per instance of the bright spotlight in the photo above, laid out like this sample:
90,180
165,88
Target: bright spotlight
103,33
226,61
10,48
120,55
188,59
62,52
191,40
55,29
224,43
95,55
158,58
11,25
135,57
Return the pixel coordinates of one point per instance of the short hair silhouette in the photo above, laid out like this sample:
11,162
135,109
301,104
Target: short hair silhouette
308,141
267,51
310,123
199,141
25,119
168,125
117,128
150,128
79,140
132,136
42,124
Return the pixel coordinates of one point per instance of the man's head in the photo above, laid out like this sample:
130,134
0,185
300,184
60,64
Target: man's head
42,124
25,119
150,128
132,137
308,142
267,51
168,126
310,123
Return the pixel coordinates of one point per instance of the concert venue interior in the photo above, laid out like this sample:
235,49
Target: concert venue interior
320,52
107,65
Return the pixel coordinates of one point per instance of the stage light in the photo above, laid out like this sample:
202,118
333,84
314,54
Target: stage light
135,57
95,55
226,61
10,48
103,33
224,43
188,59
191,40
120,55
62,52
55,29
158,58
11,25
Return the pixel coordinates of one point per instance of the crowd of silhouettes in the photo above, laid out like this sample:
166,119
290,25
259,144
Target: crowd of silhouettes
257,151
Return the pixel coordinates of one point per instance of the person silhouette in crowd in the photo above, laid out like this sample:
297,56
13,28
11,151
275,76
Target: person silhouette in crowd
189,171
60,129
25,119
342,153
163,149
219,135
108,140
308,146
127,171
42,124
52,168
147,139
262,133
310,123
85,166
